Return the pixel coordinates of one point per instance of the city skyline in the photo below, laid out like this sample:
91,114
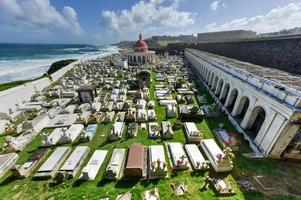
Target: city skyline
103,22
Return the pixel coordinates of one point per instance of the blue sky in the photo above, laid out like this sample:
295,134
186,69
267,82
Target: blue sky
107,21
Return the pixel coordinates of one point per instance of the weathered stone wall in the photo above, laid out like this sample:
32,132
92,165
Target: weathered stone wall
284,53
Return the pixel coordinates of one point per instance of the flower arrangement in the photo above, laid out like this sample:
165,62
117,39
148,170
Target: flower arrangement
179,162
219,156
227,142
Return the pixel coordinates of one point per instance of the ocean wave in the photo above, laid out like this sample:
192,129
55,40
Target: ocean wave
19,69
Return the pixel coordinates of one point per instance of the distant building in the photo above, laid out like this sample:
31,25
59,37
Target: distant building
141,54
181,38
223,36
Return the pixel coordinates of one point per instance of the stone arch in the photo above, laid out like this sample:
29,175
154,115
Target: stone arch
208,76
219,87
215,81
202,71
224,92
243,107
211,78
233,95
256,121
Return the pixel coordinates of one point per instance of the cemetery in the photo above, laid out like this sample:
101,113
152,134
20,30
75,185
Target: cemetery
147,131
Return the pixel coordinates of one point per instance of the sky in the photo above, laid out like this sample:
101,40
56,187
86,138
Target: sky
109,21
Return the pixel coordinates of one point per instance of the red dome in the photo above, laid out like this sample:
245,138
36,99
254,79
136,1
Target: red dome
141,44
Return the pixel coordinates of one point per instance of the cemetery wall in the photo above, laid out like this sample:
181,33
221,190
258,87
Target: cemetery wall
283,53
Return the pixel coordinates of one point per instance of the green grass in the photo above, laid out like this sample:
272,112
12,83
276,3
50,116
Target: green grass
164,43
5,86
71,189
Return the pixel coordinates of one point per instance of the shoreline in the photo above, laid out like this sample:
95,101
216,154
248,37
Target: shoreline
16,95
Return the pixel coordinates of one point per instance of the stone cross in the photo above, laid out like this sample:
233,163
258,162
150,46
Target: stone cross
182,158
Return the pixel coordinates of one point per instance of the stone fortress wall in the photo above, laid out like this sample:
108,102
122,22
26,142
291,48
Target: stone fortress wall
280,53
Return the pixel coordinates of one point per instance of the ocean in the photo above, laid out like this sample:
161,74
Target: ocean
29,61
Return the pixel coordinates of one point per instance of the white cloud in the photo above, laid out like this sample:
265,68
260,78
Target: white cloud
285,17
150,17
214,5
217,4
40,15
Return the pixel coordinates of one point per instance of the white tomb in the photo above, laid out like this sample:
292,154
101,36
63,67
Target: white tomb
96,106
120,117
151,115
71,134
141,104
225,139
167,132
164,102
115,165
89,133
69,109
178,156
116,131
84,117
197,160
157,167
141,115
84,107
108,117
154,130
171,111
52,164
192,132
218,159
62,120
7,161
90,171
118,106
53,138
74,162
19,143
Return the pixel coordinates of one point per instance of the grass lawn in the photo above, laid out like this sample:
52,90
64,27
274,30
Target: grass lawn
5,86
164,43
11,188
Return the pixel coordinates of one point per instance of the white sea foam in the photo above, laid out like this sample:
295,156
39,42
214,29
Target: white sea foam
12,70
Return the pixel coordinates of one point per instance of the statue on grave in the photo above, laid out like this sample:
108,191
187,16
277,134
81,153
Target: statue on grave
228,153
